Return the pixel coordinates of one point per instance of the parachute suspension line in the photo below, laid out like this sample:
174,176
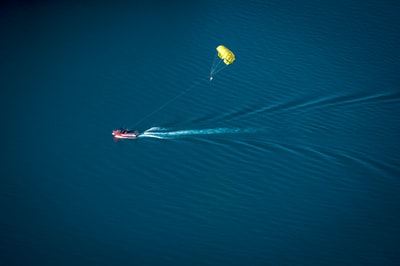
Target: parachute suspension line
167,103
217,70
214,65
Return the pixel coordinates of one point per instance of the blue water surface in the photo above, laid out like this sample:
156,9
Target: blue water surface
289,156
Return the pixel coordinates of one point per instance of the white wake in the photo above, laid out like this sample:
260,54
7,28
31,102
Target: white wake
165,133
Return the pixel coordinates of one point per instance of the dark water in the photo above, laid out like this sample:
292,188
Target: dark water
290,156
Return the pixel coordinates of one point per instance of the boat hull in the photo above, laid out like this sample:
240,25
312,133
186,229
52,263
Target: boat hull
117,134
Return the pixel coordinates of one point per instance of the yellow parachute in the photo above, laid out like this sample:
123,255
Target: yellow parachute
225,54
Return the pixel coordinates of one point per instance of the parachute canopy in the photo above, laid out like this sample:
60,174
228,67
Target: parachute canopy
225,54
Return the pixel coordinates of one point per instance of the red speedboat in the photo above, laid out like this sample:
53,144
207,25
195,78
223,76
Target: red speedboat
125,134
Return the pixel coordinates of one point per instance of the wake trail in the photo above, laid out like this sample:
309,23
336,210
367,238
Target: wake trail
165,133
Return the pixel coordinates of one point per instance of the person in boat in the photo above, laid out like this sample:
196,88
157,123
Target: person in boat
126,131
122,131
